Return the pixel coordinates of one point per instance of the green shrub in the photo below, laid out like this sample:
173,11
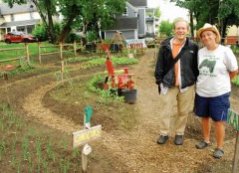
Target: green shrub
165,28
106,96
72,37
91,36
40,32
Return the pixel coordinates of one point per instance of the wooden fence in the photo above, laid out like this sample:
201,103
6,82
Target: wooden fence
61,48
25,49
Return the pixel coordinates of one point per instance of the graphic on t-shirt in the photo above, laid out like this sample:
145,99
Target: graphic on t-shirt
210,64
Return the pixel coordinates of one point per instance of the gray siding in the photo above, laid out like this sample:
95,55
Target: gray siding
124,23
23,8
131,12
128,34
139,3
133,26
142,23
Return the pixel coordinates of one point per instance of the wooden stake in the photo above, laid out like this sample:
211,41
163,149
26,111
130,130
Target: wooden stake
27,53
74,45
84,162
236,155
39,52
62,62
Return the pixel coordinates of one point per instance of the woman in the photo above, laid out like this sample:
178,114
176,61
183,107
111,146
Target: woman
217,65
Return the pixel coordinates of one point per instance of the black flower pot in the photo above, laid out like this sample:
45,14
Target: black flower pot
129,95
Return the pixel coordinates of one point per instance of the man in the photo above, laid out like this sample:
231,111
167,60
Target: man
175,73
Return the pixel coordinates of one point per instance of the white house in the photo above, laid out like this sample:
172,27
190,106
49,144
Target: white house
152,23
18,18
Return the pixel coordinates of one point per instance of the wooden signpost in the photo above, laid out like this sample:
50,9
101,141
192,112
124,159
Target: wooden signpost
86,135
233,119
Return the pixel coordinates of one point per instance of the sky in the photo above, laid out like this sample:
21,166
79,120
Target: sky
169,11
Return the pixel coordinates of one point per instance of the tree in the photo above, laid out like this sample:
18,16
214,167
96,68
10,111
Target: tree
222,13
154,12
157,12
89,14
104,13
86,14
46,9
165,28
228,15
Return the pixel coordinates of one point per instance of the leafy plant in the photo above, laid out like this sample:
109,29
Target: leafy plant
72,37
50,152
2,148
40,32
107,96
165,28
20,152
64,165
25,148
91,36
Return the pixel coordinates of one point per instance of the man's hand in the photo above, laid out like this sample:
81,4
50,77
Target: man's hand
233,74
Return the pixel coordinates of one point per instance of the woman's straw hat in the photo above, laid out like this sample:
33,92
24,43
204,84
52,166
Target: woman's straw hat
209,27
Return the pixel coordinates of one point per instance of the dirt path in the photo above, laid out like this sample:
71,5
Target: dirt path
34,108
136,149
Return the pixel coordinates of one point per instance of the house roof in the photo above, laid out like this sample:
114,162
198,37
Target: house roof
138,3
20,23
123,23
5,9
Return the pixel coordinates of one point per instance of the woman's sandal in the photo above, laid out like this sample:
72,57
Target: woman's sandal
218,153
202,145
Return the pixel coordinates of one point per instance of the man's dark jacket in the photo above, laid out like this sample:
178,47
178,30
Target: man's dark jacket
164,71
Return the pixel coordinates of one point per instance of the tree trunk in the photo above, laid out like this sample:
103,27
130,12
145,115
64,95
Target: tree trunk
65,31
223,32
67,27
191,24
40,13
50,23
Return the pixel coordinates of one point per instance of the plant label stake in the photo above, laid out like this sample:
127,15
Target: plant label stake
86,150
233,119
88,114
84,136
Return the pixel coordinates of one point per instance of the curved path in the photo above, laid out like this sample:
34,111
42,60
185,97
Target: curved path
136,149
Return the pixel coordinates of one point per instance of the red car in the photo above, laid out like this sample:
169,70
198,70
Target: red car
18,37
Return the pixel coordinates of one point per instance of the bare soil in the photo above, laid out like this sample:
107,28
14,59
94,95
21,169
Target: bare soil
120,150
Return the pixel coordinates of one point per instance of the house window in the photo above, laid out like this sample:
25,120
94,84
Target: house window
12,17
126,12
21,28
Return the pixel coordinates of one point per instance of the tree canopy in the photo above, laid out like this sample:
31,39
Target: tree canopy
83,14
165,28
154,12
222,13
